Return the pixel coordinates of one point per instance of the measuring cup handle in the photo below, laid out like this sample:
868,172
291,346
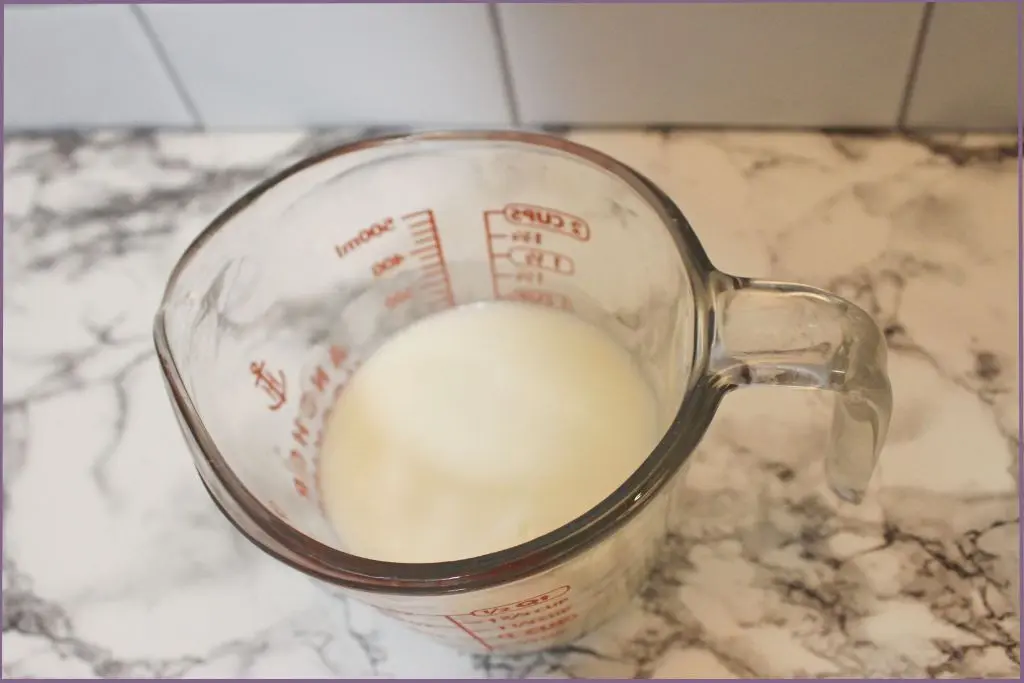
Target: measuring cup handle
774,333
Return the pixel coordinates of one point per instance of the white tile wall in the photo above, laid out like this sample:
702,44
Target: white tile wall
777,64
287,65
968,70
81,66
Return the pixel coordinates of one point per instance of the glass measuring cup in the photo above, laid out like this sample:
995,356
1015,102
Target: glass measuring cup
274,306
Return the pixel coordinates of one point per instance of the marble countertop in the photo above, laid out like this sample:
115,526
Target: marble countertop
116,563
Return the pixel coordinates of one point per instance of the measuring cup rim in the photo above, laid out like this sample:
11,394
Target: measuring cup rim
289,545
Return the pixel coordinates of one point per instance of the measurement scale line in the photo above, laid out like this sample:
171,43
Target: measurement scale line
490,251
425,223
470,633
422,226
440,257
415,214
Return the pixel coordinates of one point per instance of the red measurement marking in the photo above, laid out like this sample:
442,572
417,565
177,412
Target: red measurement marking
376,230
300,472
530,278
542,618
423,227
398,298
545,617
423,217
529,257
489,233
308,401
320,379
296,463
542,609
272,386
521,604
548,219
389,263
542,297
526,236
469,633
539,626
539,629
301,433
338,356
526,264
313,411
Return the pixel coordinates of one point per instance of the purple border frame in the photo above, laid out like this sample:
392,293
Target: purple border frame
517,2
1020,190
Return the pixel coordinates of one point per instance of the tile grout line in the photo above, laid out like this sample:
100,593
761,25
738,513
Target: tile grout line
161,54
503,62
915,65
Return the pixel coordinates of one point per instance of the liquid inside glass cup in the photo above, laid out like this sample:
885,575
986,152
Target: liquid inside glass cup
479,429
458,376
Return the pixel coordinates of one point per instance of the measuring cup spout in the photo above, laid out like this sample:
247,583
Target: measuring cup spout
792,335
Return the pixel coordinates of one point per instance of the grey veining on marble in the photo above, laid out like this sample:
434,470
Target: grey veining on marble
116,563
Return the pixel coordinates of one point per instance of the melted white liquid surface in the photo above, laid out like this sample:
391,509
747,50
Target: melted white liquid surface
481,428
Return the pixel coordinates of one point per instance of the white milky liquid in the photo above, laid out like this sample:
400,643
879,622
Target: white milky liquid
478,429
